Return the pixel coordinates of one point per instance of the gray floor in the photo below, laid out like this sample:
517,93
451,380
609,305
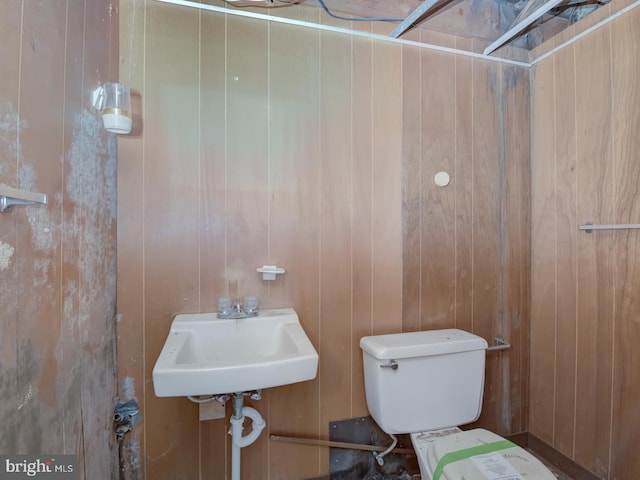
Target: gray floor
360,464
560,475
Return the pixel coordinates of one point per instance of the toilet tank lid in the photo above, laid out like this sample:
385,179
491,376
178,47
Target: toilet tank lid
421,344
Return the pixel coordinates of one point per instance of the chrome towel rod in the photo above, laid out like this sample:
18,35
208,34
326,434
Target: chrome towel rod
589,227
9,197
499,343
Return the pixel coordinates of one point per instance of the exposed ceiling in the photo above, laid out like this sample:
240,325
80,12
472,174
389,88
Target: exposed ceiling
484,20
522,24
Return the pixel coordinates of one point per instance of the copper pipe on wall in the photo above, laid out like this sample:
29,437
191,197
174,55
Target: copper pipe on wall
334,444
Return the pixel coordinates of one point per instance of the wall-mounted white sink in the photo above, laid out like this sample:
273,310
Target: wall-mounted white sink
205,355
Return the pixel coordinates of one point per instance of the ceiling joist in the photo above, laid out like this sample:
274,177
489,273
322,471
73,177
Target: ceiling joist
413,17
536,8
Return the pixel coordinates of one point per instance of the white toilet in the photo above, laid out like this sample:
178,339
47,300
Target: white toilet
426,384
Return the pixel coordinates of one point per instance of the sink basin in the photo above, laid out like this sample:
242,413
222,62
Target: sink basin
205,355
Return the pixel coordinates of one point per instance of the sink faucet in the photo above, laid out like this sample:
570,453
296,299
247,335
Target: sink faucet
239,309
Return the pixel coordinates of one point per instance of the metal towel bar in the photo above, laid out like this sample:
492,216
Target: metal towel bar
10,197
589,227
499,344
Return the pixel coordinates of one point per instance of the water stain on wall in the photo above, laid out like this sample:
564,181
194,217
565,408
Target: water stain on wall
21,416
6,252
89,300
10,125
57,261
91,187
44,222
59,382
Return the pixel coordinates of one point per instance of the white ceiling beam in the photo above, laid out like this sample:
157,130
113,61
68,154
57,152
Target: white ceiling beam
520,25
412,18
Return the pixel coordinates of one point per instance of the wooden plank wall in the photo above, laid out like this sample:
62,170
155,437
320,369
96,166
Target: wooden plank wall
466,250
58,262
273,144
584,364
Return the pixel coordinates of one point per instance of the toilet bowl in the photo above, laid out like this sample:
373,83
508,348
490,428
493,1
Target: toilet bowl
427,384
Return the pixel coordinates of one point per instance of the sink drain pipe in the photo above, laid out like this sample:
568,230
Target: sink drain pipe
238,441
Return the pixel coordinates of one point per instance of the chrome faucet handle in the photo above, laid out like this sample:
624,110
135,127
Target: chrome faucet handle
250,304
224,307
237,310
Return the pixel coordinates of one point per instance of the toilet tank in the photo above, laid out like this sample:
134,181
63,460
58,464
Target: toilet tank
421,381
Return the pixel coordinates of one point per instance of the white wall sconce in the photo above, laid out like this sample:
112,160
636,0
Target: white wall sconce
113,101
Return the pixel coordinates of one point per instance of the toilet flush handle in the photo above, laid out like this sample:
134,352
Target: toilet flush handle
393,365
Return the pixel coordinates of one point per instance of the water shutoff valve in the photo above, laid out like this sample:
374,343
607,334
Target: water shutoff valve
125,417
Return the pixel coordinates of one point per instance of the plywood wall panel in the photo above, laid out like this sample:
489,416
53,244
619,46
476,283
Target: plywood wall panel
10,28
214,442
336,210
42,145
95,212
10,55
488,185
386,131
247,173
595,165
76,79
213,150
130,291
566,241
171,224
463,185
294,159
98,17
625,122
73,213
363,218
595,254
515,253
543,250
58,294
247,163
411,187
214,445
438,203
294,220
